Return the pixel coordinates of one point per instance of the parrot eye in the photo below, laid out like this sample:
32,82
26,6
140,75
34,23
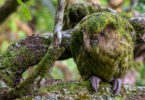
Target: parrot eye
102,33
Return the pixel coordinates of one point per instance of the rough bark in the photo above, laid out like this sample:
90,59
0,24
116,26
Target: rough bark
139,25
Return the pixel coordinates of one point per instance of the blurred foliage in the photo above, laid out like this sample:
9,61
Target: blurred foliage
25,10
2,2
140,67
43,13
57,73
140,6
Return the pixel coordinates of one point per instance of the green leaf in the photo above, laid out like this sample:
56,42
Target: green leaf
25,9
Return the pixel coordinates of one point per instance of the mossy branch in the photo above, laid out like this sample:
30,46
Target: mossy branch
83,91
48,60
28,52
138,23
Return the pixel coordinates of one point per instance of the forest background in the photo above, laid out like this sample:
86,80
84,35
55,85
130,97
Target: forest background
41,20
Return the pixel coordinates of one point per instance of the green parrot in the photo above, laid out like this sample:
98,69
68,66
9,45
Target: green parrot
102,47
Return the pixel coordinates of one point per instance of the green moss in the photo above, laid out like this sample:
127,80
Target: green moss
26,98
139,32
26,87
76,12
83,90
10,66
126,15
72,87
78,38
47,41
20,56
96,22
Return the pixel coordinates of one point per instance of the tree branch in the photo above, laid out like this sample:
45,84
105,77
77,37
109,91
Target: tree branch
84,91
59,21
28,52
27,86
25,53
139,25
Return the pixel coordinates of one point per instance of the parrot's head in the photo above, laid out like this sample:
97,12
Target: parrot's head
106,41
105,33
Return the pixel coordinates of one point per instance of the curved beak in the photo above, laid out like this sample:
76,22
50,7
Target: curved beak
94,42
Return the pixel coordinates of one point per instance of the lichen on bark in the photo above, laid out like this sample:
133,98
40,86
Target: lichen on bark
82,90
27,86
138,23
19,57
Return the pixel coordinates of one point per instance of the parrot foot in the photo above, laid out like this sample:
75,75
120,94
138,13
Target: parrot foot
95,82
117,86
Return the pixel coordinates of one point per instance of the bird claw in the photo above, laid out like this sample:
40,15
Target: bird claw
117,86
95,82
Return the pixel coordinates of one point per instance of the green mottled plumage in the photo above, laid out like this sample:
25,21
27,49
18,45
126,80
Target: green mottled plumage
112,55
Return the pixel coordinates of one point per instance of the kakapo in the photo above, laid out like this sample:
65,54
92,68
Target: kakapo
102,47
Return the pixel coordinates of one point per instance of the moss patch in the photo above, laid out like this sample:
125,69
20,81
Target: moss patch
98,21
83,91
